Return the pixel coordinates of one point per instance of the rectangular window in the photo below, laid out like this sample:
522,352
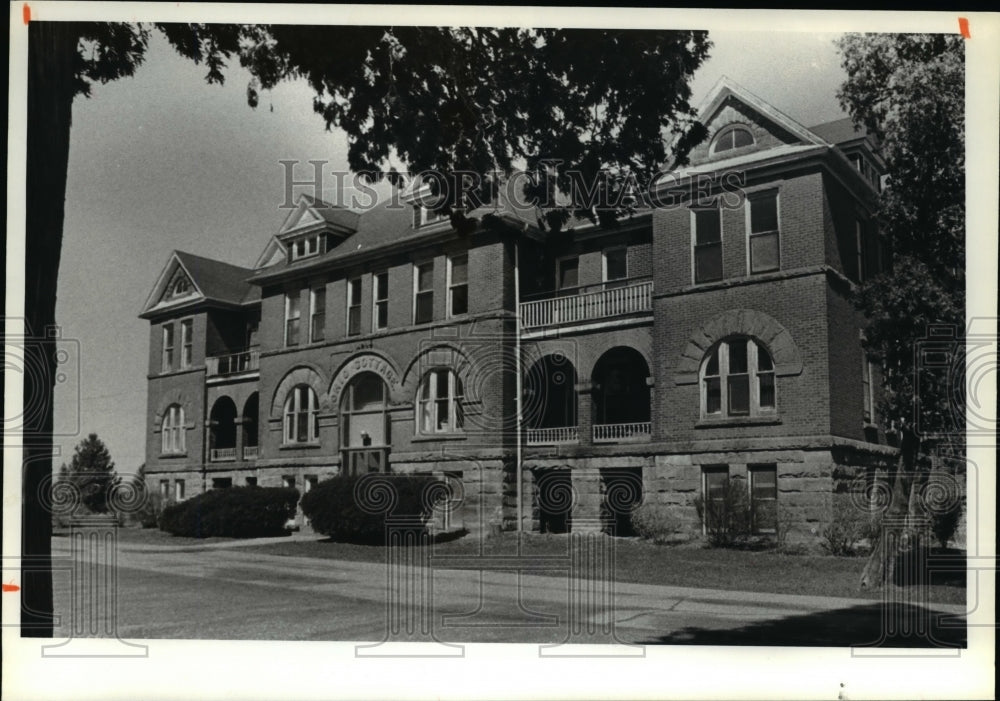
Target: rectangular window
292,314
715,481
423,292
738,379
615,266
354,307
168,347
288,481
317,314
567,273
303,248
222,482
859,245
165,489
764,498
251,481
765,253
310,483
187,343
866,387
178,490
707,244
458,285
380,297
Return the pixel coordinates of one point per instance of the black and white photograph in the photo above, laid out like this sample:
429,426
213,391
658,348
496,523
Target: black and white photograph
489,352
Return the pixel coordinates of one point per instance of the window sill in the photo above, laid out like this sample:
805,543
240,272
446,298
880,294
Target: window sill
729,422
428,437
298,446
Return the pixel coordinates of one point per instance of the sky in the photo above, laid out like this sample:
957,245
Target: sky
163,161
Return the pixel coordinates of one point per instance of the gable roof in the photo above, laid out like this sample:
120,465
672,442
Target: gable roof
838,131
213,281
310,210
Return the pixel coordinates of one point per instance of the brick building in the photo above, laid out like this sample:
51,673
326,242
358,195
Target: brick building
557,378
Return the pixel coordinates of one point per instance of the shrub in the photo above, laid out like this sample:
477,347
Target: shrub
945,523
848,527
148,516
655,522
236,512
727,519
353,509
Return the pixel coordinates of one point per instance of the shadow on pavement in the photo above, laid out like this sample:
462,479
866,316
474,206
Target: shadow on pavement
866,625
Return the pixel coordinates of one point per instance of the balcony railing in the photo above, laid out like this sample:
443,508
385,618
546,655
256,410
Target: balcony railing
233,364
250,452
582,304
549,436
361,461
222,454
615,433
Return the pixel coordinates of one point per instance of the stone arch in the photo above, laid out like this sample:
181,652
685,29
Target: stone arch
591,352
740,322
301,375
168,399
363,361
448,355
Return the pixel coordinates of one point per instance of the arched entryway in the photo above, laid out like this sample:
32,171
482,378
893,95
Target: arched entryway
550,399
222,431
621,399
251,412
364,424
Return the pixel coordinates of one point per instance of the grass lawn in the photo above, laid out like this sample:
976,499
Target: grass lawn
690,565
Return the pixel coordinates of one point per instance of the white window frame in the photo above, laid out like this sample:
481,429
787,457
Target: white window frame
694,244
755,409
376,300
428,407
751,234
315,294
604,263
868,389
417,291
310,247
353,304
451,287
297,297
178,490
559,265
187,343
293,413
172,431
728,130
167,357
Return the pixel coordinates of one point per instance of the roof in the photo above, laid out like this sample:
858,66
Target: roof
339,216
217,280
838,131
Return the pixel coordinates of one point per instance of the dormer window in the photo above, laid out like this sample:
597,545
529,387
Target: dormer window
181,287
732,137
305,247
424,216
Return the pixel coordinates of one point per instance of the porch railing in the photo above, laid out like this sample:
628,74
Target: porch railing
361,461
250,452
548,436
584,305
222,454
233,363
613,433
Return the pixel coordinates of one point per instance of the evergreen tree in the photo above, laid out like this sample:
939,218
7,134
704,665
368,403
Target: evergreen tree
93,472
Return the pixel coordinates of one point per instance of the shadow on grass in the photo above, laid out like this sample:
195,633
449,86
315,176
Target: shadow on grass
866,625
419,537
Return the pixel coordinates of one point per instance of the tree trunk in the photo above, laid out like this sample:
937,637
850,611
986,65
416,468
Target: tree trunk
881,565
52,51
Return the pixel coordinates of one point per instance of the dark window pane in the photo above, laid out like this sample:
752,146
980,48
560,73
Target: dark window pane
738,355
765,253
354,320
425,276
742,137
766,382
459,300
764,213
617,265
425,307
715,483
381,315
292,332
764,359
354,291
708,262
712,367
459,270
713,395
382,286
739,394
318,327
568,273
764,483
707,226
442,413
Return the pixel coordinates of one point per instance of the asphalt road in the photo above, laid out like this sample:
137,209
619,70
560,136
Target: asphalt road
231,593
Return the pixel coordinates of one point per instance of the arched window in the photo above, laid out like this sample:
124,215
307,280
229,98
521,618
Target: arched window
439,402
172,430
737,379
301,423
732,137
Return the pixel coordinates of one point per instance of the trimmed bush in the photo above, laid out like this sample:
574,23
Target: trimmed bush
235,512
849,526
728,518
655,522
353,509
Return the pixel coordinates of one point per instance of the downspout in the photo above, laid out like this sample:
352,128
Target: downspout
517,369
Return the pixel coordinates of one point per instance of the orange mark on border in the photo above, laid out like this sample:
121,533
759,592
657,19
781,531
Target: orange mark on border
26,13
11,587
963,27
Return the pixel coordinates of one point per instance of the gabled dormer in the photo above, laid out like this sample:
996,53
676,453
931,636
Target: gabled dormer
313,228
